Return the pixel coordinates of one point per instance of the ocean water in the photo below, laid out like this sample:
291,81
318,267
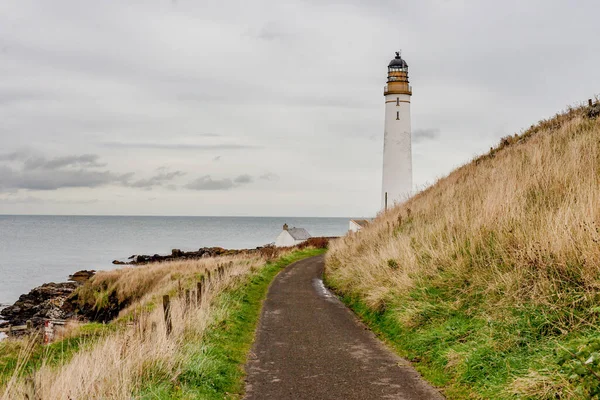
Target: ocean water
39,249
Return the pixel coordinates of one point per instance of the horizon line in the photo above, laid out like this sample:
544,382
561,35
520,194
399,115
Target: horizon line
173,216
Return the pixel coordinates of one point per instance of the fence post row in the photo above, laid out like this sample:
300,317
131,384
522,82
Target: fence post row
167,312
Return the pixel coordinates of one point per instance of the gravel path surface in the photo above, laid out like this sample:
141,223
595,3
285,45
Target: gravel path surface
310,346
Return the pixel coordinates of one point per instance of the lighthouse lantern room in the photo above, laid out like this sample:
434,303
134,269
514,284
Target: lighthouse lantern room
397,155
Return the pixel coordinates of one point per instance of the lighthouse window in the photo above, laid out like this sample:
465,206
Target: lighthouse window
397,115
397,101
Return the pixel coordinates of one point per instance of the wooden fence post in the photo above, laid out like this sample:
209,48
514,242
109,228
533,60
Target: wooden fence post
29,325
167,312
590,102
31,390
187,299
199,292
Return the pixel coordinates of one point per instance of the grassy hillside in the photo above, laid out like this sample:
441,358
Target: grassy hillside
489,280
132,356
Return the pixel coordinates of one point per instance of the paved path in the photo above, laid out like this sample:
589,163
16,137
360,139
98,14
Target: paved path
310,346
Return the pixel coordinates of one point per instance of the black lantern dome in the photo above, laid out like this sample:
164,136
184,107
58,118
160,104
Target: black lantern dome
398,62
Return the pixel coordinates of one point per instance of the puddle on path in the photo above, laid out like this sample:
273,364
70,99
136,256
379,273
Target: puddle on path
322,290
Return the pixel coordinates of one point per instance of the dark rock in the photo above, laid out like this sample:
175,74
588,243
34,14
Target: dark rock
82,276
177,253
46,301
593,111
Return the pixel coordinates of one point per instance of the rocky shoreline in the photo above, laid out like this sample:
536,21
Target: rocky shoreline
48,301
54,300
51,300
177,254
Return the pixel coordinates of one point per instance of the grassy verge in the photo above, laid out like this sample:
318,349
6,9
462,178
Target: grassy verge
202,357
27,355
214,363
469,357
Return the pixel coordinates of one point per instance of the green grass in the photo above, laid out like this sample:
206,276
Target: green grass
11,351
213,366
459,350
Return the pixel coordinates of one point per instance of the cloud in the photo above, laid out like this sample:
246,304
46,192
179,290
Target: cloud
29,170
39,200
57,179
420,135
206,182
178,146
269,176
245,178
32,161
159,179
271,31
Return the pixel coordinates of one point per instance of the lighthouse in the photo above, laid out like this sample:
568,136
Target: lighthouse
397,155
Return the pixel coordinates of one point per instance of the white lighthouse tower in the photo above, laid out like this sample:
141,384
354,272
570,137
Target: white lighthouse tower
397,155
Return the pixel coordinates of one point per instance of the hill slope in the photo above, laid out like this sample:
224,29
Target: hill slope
490,279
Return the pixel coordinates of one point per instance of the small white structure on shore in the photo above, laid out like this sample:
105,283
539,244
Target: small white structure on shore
291,236
356,225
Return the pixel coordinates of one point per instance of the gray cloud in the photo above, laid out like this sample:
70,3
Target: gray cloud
271,31
421,135
178,146
57,179
32,161
269,176
245,178
39,200
29,170
163,177
206,182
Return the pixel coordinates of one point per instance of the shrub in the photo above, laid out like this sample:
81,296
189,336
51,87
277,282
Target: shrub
315,242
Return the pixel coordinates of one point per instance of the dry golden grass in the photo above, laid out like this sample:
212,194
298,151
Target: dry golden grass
520,224
505,248
116,365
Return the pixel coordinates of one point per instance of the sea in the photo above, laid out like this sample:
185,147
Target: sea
39,249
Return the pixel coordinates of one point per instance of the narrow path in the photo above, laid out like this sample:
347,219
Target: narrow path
310,346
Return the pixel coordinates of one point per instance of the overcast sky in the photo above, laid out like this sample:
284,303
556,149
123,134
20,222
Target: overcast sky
258,107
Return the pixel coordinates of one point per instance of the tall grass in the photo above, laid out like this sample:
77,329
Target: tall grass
509,241
122,362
